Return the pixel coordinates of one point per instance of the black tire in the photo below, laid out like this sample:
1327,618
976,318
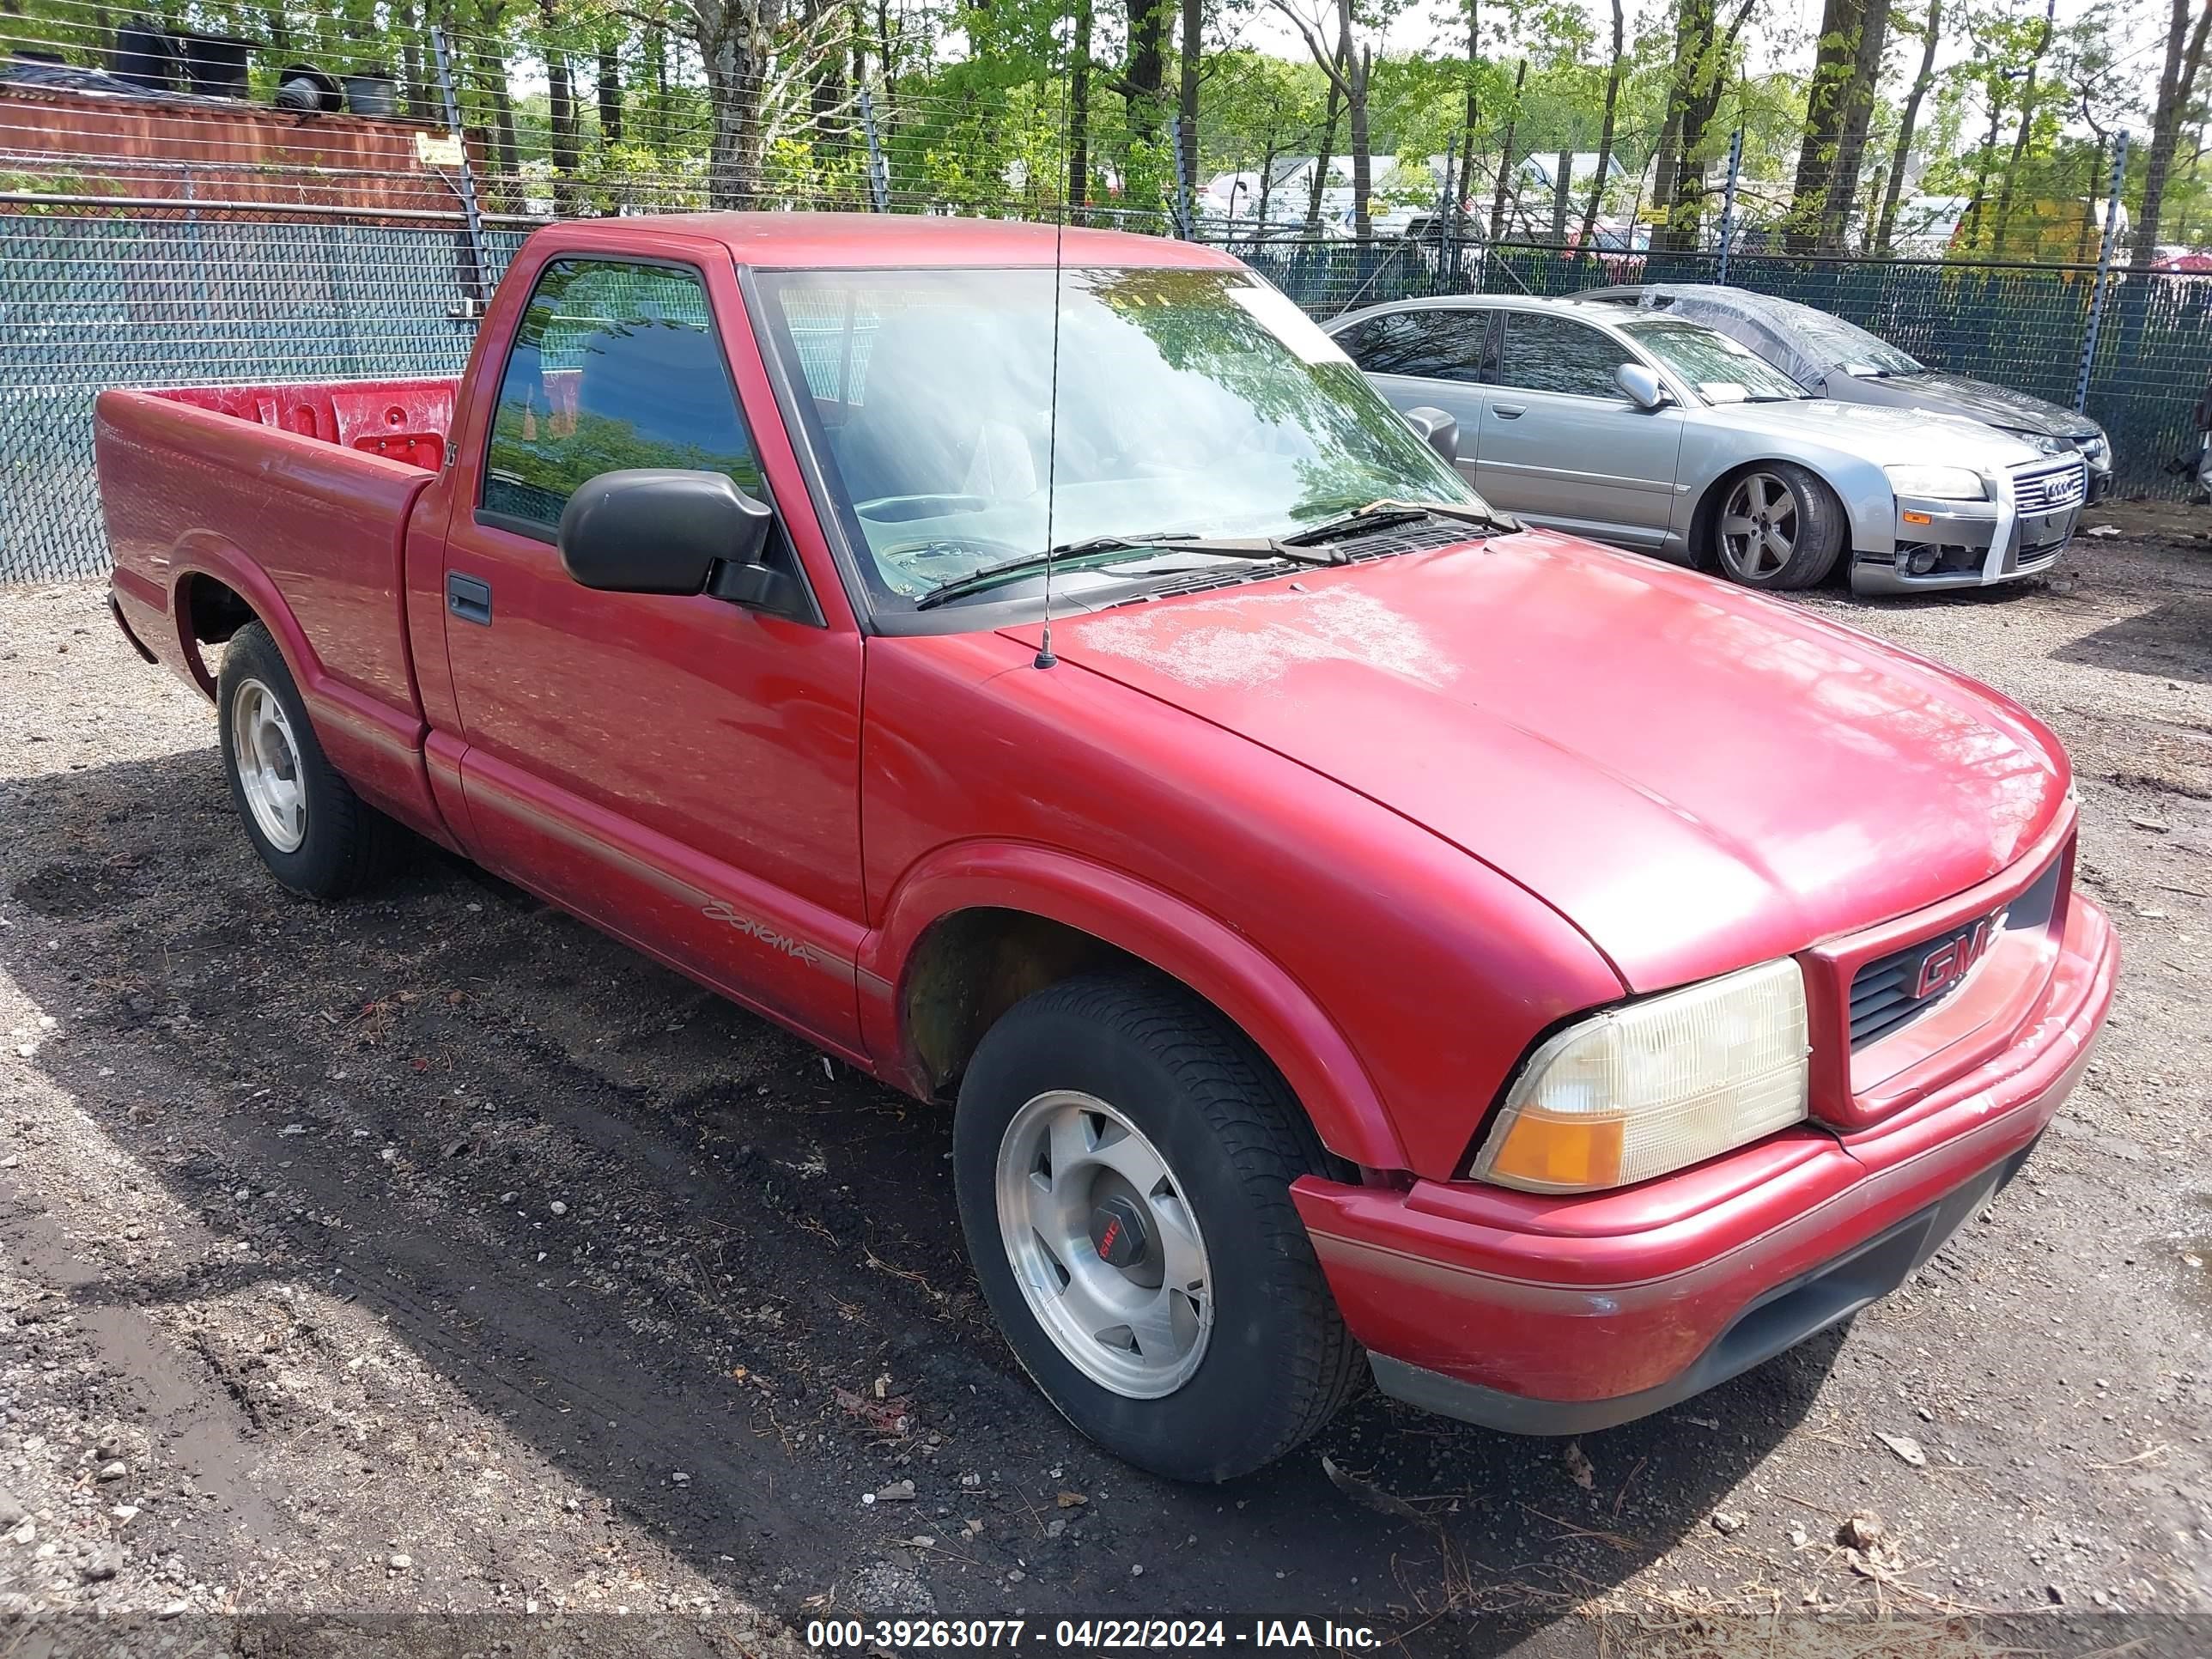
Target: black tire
1278,1361
345,843
1775,524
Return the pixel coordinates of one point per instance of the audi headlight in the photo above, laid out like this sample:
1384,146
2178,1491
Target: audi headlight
1655,1085
2096,450
1939,483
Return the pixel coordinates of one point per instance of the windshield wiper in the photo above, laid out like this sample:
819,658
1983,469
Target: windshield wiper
1383,514
1098,549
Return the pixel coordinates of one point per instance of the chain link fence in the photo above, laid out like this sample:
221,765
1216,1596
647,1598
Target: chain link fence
2023,326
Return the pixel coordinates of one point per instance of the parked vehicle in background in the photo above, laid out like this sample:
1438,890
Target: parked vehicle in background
1830,357
1925,225
1655,432
1318,956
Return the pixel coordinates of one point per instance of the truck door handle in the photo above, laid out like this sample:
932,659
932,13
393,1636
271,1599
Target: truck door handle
469,599
1509,411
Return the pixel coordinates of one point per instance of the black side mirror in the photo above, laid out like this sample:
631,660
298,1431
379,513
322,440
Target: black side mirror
1437,429
664,530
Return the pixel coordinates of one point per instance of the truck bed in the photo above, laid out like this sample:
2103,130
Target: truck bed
294,498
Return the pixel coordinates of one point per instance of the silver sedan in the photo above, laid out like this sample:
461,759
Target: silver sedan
1658,434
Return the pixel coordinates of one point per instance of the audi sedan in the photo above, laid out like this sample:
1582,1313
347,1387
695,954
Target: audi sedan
1832,358
1653,432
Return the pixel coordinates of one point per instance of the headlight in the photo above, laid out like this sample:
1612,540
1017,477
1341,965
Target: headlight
1655,1085
1941,483
2097,451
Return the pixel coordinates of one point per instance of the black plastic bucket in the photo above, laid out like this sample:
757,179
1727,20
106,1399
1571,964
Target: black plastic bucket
215,64
369,95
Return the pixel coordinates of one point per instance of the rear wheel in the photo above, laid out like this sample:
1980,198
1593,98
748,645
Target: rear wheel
315,834
1123,1159
1779,525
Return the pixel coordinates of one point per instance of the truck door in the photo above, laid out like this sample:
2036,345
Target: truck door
681,771
1562,445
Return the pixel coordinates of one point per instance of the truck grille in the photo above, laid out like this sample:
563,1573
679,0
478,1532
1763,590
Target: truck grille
2041,488
1892,991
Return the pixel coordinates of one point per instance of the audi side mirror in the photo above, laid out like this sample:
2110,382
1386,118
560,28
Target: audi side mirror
1437,429
1639,383
666,530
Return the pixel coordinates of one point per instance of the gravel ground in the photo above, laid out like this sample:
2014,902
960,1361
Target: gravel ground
432,1255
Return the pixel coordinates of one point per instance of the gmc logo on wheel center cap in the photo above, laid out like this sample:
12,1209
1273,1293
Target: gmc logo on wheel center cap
1948,962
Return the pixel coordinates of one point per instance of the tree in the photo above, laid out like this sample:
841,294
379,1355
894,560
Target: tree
1839,104
2185,54
1705,50
2027,98
1605,131
1350,69
1886,226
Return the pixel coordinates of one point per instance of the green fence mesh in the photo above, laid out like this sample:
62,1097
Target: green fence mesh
92,302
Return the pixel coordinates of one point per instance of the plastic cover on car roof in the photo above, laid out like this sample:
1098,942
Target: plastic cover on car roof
1805,344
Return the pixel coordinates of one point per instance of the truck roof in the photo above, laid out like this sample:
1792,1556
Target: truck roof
837,240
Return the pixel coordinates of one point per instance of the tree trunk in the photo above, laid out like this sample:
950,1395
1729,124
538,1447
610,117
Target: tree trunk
491,68
1885,228
1858,113
1146,76
1605,128
2027,94
1079,110
1505,155
561,113
1321,158
733,37
1358,68
1839,104
2184,53
1562,181
1464,191
1187,104
611,92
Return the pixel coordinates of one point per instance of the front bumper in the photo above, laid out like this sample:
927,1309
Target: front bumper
1968,544
1562,1315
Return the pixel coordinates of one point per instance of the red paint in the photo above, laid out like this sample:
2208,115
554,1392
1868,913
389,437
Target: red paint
1397,821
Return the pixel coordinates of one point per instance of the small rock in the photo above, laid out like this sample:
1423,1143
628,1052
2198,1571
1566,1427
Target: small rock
11,1510
103,1563
1906,1447
509,1198
1862,1531
557,1207
1053,1528
1725,1523
1136,1570
401,1563
2056,1594
681,1478
114,1471
171,1611
1071,1500
899,1491
1796,1536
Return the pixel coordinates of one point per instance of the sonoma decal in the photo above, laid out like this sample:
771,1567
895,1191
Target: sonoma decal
798,950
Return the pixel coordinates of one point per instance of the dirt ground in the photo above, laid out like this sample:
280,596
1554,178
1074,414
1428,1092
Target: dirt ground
374,1265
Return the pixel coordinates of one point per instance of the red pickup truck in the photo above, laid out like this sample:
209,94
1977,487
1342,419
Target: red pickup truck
1353,932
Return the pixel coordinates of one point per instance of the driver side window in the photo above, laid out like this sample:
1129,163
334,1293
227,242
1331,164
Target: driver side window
616,364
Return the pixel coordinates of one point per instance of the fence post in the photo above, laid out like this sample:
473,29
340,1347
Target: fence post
476,291
1184,207
2103,271
880,184
1728,203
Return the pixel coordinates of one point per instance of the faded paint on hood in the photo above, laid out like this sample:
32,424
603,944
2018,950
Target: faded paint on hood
1698,777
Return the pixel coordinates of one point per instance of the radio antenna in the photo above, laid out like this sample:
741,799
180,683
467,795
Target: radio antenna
1044,657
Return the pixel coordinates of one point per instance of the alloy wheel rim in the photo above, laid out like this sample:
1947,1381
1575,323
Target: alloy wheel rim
1103,1244
1759,526
268,760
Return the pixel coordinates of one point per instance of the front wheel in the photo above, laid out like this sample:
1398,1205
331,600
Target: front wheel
1123,1160
1779,525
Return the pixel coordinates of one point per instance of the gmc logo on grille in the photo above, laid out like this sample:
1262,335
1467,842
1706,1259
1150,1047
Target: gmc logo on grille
1951,961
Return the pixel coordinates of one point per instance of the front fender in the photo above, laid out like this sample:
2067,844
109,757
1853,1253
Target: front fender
1152,925
1869,506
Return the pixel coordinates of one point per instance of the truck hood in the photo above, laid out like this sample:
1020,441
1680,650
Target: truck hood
1698,778
1946,393
1884,436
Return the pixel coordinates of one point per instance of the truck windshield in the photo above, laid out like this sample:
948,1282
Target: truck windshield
1190,404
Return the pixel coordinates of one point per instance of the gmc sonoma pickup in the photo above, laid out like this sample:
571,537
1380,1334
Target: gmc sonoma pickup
1344,939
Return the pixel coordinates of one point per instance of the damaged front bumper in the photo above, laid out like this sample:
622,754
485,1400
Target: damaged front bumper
1942,544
